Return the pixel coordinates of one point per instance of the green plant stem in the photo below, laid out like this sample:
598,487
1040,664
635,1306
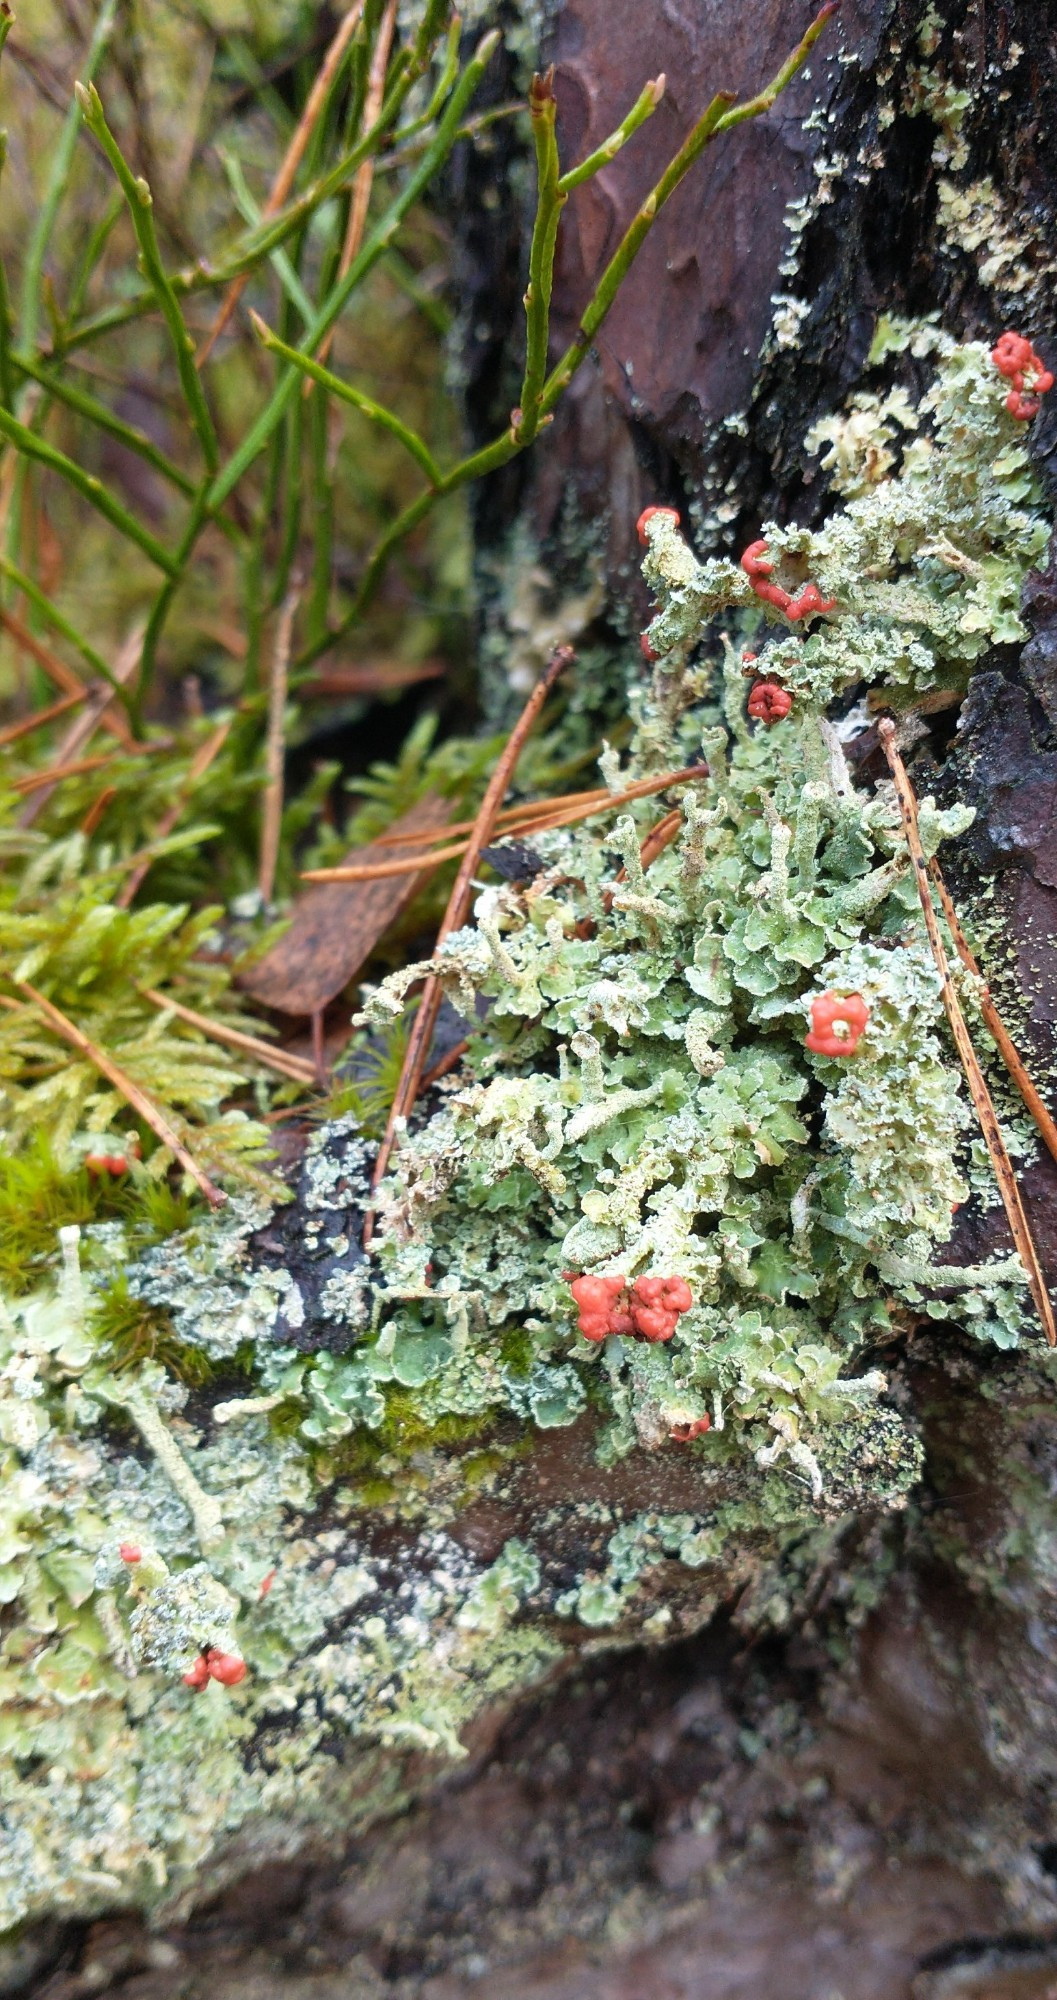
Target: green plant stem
550,201
97,413
279,261
345,393
374,248
140,207
644,107
59,623
717,116
721,115
176,567
29,312
93,250
258,244
91,489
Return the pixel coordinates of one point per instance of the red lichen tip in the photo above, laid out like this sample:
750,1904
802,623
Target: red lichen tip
693,1428
769,703
1016,359
266,1584
838,1022
129,1552
650,1312
227,1668
758,565
647,514
647,651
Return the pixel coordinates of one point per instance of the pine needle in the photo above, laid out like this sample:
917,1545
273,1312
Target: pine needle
542,816
130,1091
286,1065
1007,1048
981,1096
455,915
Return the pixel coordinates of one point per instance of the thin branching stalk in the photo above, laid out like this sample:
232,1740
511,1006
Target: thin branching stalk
62,160
721,115
29,445
355,398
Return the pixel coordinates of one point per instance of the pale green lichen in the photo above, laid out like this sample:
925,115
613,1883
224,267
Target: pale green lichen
637,1098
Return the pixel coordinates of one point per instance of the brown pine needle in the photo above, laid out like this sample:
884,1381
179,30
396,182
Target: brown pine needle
60,675
55,773
272,804
42,717
1000,1035
97,712
364,181
546,814
507,819
455,915
661,836
985,1110
97,809
130,1091
199,765
292,1067
292,158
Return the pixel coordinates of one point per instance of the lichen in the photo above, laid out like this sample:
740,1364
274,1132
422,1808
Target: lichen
637,1099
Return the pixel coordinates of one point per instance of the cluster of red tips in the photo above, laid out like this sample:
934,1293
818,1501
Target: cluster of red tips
838,1020
757,565
768,702
113,1163
227,1668
1016,359
686,1433
650,1311
647,514
129,1553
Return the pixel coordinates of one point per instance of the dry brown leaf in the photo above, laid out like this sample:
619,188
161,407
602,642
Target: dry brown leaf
336,926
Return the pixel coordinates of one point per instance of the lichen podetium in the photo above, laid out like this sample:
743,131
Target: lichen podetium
643,1099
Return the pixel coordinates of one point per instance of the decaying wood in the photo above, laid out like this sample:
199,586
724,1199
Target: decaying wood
974,1076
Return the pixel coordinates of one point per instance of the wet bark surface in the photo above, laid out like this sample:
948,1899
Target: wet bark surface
862,1804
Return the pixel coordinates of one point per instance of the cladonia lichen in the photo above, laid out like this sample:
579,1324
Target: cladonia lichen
637,1101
